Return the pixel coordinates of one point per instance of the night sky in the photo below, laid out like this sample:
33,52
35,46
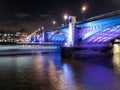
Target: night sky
32,14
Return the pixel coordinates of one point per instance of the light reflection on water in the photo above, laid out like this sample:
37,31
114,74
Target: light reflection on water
51,72
116,59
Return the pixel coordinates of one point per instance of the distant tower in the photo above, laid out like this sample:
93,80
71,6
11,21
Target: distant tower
72,21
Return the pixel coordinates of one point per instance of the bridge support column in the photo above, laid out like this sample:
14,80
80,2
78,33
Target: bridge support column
88,50
70,39
94,45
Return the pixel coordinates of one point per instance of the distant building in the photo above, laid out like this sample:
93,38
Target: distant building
8,36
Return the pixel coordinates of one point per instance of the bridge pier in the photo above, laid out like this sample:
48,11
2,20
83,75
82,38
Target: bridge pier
99,47
87,50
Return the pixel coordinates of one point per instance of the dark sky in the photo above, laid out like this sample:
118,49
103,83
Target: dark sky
32,14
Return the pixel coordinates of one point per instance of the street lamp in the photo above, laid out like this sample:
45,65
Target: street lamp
42,27
65,18
54,22
84,8
38,29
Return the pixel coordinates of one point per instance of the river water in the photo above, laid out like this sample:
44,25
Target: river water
48,71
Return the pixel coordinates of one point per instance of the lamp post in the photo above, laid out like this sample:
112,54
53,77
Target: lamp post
65,18
54,23
43,34
84,8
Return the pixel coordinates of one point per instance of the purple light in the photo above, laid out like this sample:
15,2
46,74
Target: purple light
104,36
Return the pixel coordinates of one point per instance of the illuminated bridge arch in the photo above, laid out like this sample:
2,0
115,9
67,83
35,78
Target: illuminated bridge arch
58,36
100,31
104,36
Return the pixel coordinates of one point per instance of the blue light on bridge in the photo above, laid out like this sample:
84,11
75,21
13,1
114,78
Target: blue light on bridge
99,31
105,23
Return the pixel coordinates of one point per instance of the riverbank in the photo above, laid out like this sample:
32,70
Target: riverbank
27,49
66,52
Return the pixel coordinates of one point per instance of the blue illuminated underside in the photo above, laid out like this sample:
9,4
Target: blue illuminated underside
58,38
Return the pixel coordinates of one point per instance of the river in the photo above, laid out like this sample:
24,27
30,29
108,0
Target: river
48,71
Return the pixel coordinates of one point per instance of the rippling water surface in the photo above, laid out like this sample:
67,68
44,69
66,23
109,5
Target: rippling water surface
48,71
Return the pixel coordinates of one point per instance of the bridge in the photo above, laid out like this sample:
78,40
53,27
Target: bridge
97,31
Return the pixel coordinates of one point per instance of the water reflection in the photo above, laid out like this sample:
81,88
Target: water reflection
116,59
99,78
48,71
